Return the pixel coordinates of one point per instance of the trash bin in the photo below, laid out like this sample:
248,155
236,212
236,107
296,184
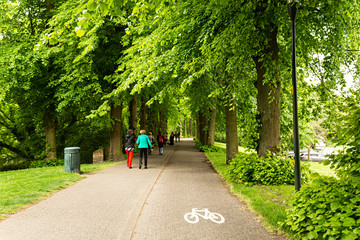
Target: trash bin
72,159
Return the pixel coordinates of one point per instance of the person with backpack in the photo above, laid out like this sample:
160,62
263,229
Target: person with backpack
152,140
130,140
144,144
160,140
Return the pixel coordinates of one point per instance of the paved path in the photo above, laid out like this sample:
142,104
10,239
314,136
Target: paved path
122,203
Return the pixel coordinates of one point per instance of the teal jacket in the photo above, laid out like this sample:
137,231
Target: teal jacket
143,141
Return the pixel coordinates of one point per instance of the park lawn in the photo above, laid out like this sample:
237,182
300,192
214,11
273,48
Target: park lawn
268,202
22,188
322,169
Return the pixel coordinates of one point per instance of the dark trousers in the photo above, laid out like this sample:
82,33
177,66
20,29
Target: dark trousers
143,151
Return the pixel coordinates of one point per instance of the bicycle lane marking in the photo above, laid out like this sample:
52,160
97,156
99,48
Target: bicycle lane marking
193,216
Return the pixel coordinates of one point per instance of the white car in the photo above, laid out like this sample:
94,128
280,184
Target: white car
314,156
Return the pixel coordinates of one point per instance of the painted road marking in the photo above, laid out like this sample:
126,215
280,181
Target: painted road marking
193,216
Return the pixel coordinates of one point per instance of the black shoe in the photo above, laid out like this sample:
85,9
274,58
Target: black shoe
145,167
139,166
130,167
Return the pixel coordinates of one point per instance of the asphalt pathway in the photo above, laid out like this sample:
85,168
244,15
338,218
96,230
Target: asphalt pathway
122,203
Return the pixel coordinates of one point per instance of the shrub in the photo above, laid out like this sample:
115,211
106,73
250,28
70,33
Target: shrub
47,163
329,208
205,148
250,169
326,209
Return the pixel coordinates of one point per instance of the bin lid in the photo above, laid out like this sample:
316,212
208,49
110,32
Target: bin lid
72,149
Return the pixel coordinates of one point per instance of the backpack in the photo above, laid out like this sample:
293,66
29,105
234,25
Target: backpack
161,139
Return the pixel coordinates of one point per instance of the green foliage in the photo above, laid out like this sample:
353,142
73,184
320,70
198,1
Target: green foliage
275,169
329,208
48,163
326,209
205,148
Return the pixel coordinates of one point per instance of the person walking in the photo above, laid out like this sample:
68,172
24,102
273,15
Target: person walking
144,144
130,140
172,138
160,140
152,140
165,138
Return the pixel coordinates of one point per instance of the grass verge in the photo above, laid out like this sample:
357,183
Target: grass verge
22,188
268,202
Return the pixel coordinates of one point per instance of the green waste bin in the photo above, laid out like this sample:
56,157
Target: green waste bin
72,159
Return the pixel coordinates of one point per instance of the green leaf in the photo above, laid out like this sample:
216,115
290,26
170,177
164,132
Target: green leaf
80,32
312,235
104,8
91,5
334,205
349,222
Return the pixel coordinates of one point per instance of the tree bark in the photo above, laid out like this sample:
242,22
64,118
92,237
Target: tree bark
115,152
50,134
162,124
133,113
268,99
185,130
197,126
143,114
180,128
203,128
190,128
232,145
212,127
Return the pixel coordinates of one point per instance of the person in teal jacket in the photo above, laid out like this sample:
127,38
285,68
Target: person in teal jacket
144,144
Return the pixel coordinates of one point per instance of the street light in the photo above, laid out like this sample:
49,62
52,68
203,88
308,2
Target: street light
292,11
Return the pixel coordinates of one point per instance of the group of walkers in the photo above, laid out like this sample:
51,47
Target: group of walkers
146,145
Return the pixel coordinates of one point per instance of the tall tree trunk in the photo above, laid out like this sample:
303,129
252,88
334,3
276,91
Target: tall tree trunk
212,127
49,5
190,128
197,126
116,133
133,113
162,122
180,128
232,145
50,134
143,114
185,130
203,128
268,99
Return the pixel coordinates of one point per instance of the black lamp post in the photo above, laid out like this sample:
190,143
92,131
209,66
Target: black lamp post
292,11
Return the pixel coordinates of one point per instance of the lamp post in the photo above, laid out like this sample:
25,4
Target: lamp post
292,11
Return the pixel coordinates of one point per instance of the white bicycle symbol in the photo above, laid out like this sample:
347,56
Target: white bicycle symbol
193,217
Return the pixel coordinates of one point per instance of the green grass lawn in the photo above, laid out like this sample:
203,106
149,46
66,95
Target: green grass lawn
22,188
321,169
268,202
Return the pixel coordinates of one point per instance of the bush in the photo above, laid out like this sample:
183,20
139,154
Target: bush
14,166
250,169
205,148
47,163
326,209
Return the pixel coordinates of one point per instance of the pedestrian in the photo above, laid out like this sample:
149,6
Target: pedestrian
152,140
172,138
144,144
178,136
130,140
165,138
160,140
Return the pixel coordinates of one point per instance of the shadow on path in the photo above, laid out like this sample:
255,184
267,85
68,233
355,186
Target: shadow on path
122,203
